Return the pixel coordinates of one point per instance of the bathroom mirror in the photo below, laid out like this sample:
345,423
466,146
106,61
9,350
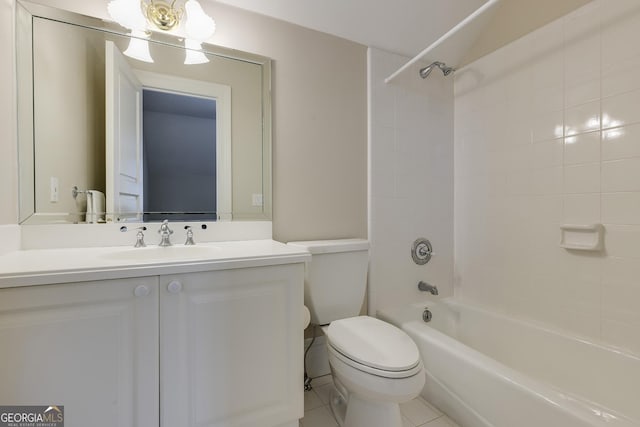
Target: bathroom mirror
184,137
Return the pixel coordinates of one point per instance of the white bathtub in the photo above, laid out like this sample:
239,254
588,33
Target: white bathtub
488,370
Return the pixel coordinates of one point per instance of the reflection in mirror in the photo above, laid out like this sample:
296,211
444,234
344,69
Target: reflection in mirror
172,183
159,140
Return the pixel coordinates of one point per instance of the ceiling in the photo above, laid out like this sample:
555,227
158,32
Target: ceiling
401,26
409,26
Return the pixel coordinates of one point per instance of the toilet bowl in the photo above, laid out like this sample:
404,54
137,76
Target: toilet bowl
375,365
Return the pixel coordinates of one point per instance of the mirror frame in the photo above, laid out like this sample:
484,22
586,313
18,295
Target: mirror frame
26,11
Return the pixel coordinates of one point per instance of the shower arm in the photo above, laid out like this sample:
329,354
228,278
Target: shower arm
446,70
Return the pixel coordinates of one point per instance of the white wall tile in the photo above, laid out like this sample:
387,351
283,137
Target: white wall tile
620,143
620,59
583,148
621,290
582,90
581,68
622,241
411,182
547,181
621,208
623,78
547,153
621,175
546,125
582,178
622,109
582,118
509,201
582,209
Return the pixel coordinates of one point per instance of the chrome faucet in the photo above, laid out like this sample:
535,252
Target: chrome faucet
425,287
165,233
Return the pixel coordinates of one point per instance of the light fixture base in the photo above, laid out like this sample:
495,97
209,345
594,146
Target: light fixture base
163,15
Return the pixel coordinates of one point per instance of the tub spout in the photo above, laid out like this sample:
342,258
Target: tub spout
425,287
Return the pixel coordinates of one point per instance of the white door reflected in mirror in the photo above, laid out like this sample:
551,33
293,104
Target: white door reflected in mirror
129,157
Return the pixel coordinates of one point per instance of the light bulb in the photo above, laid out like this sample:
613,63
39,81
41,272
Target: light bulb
194,53
127,13
138,47
198,25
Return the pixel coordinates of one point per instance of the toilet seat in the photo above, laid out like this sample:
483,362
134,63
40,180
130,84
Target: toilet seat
374,371
373,346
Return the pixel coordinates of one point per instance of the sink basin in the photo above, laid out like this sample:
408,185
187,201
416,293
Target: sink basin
167,253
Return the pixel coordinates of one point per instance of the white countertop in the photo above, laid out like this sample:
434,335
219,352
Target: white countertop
48,266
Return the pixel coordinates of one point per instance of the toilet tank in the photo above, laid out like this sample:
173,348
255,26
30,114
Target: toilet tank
335,279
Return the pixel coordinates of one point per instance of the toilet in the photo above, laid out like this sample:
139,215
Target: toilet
375,365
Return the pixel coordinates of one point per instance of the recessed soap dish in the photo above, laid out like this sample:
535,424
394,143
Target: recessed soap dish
581,237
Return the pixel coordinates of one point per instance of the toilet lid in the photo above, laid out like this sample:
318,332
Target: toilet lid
372,342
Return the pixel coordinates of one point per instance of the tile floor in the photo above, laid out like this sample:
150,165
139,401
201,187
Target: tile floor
416,413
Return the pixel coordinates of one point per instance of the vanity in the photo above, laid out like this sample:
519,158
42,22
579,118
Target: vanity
140,337
209,334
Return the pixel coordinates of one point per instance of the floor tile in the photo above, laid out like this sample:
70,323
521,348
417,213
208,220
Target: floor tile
418,411
320,381
324,392
433,408
406,422
312,400
319,417
443,421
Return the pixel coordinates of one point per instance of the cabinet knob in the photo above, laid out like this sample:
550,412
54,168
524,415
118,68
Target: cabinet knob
141,291
174,287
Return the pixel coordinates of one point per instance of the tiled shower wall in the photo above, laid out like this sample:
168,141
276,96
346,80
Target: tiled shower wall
547,132
410,180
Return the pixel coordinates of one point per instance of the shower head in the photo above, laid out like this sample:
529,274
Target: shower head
424,72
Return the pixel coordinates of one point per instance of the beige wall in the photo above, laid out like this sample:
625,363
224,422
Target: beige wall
319,120
515,18
68,112
320,125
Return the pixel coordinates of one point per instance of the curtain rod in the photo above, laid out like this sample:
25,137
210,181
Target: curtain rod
446,36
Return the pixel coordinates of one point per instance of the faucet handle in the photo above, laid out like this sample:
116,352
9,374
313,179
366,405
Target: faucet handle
189,241
140,238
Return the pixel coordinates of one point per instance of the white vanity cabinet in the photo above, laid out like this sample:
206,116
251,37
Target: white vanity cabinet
90,346
231,347
208,348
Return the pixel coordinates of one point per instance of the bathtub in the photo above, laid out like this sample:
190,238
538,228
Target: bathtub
489,370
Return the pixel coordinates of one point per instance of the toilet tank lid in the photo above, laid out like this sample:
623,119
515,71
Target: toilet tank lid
332,246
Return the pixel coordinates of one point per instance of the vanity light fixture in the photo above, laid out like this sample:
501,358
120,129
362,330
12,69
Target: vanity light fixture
143,16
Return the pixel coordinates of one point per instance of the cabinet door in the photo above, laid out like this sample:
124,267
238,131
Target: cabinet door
231,347
92,347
